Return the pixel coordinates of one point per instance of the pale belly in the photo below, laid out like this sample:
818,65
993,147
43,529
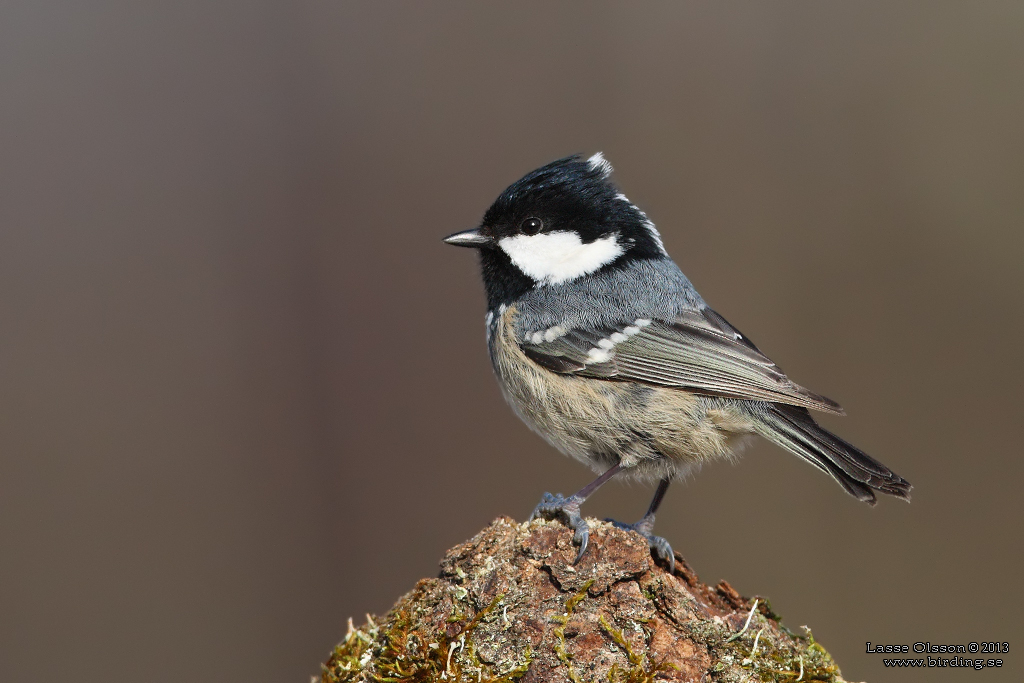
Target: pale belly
653,431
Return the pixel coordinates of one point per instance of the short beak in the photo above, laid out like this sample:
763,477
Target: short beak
469,238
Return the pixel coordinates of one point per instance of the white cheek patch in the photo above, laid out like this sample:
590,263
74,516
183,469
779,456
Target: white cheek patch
554,257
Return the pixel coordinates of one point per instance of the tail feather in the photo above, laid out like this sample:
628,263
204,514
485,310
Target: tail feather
858,473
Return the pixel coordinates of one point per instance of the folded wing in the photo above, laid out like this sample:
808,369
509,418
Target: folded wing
698,350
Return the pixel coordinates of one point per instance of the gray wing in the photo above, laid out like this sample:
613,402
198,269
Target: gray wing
698,350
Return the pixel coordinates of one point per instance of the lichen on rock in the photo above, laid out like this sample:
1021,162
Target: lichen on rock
509,605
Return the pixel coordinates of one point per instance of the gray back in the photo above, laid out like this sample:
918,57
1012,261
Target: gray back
649,288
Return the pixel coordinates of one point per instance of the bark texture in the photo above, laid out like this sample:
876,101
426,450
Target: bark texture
509,605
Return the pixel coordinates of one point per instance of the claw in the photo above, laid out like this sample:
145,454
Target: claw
582,539
662,549
552,506
659,546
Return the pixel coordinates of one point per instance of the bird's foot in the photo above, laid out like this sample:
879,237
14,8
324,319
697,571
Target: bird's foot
659,546
552,506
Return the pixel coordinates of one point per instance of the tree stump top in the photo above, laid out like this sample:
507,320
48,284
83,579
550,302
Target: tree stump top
509,605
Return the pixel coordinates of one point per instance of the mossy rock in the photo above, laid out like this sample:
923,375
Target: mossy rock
509,605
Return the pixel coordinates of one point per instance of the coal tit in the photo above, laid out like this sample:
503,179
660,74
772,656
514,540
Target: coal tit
604,348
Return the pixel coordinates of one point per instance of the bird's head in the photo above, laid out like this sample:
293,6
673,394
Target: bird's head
558,223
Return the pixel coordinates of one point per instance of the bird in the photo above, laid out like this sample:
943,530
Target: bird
602,346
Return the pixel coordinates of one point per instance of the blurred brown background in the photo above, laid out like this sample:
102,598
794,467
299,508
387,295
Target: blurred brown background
244,392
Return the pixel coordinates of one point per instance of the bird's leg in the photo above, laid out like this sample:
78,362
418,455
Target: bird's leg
557,505
645,527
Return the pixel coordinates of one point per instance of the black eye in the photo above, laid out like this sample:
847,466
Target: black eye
531,226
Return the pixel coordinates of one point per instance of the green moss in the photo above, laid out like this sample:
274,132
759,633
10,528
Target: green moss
400,652
640,670
770,663
562,620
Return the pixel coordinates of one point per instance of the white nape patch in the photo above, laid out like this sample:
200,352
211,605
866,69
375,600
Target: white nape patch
599,163
489,318
648,225
554,257
654,234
